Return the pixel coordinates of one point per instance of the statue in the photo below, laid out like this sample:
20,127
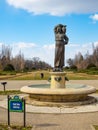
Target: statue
61,40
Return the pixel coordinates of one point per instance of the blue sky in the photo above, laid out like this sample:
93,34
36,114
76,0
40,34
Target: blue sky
27,25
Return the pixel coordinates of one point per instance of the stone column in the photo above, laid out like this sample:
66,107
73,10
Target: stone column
57,80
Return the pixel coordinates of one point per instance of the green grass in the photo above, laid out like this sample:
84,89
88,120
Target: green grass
89,71
36,75
96,127
96,91
6,127
81,76
7,73
70,75
10,92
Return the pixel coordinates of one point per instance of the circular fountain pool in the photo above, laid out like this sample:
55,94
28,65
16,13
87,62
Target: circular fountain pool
73,93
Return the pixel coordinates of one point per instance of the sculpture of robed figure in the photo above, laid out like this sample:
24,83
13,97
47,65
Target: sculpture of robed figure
61,40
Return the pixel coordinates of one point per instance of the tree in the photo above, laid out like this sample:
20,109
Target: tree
70,62
5,56
38,64
78,60
95,56
18,62
91,66
86,62
28,65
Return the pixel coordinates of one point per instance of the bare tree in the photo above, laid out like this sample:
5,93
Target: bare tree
70,62
5,56
28,65
88,60
95,56
18,62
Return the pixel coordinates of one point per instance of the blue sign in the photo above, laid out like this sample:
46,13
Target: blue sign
16,105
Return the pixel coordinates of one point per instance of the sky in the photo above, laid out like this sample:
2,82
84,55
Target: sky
28,26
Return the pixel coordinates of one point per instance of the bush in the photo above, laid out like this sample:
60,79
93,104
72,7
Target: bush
73,67
82,71
9,67
66,67
93,69
91,66
33,68
92,72
26,69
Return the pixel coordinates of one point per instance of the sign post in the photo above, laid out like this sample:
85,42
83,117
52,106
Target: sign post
24,115
4,83
8,111
16,104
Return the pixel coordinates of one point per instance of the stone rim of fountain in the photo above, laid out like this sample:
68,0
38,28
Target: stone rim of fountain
62,91
89,100
47,97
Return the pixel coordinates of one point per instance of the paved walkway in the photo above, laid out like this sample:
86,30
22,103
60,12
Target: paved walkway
77,121
55,110
17,84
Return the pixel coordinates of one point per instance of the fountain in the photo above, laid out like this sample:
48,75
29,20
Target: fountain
58,92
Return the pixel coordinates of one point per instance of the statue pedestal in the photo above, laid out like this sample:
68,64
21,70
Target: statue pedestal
57,80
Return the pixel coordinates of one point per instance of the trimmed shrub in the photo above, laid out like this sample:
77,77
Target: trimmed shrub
90,66
9,67
73,67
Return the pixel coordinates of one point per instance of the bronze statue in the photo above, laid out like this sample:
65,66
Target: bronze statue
61,40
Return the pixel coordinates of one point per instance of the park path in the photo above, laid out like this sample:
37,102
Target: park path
82,121
79,121
17,84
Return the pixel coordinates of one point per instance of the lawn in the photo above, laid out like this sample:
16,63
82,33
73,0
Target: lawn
10,92
81,76
6,127
96,127
36,75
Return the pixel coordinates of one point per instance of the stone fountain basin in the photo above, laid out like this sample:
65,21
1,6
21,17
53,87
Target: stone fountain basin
72,93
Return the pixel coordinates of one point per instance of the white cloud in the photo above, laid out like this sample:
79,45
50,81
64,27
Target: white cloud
56,7
73,45
31,50
1,44
50,47
21,45
94,17
96,44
